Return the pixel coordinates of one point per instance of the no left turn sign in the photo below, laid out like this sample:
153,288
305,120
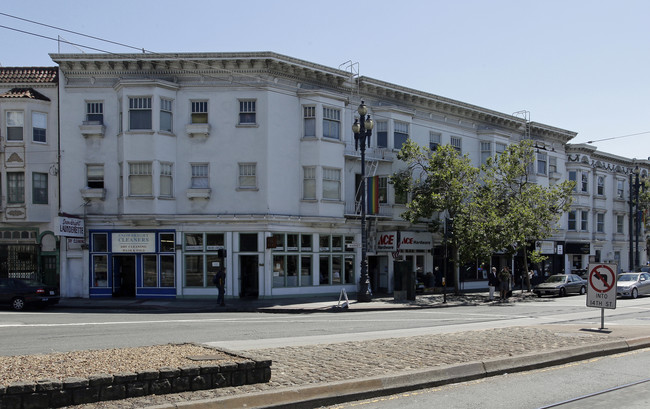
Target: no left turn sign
601,291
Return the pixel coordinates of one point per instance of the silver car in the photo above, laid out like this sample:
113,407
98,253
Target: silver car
632,284
561,284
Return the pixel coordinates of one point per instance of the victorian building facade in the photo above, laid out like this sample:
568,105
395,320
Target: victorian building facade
182,164
29,173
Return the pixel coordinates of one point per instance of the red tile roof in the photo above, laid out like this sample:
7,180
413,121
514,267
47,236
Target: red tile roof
29,75
24,93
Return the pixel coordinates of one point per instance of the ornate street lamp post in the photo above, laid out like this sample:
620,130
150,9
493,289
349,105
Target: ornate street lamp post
362,129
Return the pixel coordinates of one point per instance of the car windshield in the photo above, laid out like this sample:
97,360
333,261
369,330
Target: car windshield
628,277
556,279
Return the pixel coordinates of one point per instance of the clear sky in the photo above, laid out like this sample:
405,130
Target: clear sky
580,65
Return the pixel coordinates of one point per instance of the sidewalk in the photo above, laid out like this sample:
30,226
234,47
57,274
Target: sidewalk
279,305
310,376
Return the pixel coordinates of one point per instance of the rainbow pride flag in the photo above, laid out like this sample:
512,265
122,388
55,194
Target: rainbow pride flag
372,184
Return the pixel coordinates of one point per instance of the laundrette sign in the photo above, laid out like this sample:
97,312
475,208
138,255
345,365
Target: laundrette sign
70,227
134,242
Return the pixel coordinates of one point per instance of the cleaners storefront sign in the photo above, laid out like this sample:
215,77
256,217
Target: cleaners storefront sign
134,242
70,227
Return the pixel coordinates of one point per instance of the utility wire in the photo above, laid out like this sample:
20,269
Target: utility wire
152,53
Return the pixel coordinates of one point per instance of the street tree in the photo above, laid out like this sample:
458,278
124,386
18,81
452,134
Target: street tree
521,211
442,184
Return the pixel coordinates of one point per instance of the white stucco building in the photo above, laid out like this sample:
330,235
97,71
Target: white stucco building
181,164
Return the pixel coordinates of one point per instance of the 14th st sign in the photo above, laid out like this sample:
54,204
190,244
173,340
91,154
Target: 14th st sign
601,286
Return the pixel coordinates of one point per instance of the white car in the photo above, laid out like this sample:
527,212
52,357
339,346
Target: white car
632,284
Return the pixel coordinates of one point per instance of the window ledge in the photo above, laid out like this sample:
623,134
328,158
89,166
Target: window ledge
332,201
198,193
93,193
247,126
140,131
92,129
554,175
247,189
198,129
309,200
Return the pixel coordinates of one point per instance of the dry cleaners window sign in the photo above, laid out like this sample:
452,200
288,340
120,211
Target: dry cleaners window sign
404,240
70,227
134,242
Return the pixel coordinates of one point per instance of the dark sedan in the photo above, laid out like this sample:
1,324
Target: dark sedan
18,293
561,284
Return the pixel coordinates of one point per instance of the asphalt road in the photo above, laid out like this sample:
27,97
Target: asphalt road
604,382
51,330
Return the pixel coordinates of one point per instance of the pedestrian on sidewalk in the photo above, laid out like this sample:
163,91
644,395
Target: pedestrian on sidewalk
493,282
504,282
220,281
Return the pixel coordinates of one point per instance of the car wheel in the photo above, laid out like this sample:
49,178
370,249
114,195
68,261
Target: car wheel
562,292
583,290
18,304
634,293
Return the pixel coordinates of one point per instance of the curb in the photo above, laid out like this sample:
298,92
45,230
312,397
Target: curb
332,393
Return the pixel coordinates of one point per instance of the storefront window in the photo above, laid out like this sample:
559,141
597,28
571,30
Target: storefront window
292,271
214,241
305,271
324,270
100,242
194,271
349,269
166,271
324,242
100,270
150,270
279,242
194,242
337,243
305,242
337,269
167,244
292,242
248,242
278,271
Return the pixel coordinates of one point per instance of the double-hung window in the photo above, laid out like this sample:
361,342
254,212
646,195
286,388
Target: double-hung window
39,127
584,184
572,222
140,113
15,187
247,175
457,144
15,124
39,188
166,115
620,189
600,185
166,180
381,129
331,123
584,220
309,183
542,160
94,113
400,134
247,112
552,165
140,179
331,184
309,121
200,177
95,176
573,177
434,141
486,151
383,189
499,148
199,112
620,224
600,222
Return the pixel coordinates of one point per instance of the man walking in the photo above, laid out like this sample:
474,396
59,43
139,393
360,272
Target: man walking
220,282
493,282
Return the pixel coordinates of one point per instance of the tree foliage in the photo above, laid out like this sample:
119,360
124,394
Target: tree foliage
496,208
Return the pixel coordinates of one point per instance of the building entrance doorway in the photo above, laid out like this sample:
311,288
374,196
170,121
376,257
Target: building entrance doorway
248,271
124,276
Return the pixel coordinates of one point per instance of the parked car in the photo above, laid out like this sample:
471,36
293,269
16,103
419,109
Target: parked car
632,284
18,293
561,284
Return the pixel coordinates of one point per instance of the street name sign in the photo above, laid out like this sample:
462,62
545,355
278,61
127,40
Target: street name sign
601,286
